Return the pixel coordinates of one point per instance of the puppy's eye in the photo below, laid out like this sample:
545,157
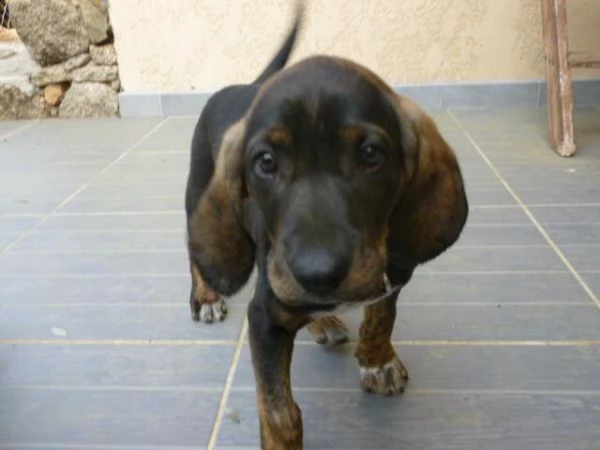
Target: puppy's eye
265,164
372,156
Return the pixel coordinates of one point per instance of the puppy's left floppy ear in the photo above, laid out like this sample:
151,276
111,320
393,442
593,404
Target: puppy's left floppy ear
219,243
433,207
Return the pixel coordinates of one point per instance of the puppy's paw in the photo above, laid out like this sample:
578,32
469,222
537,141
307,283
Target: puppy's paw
390,379
329,331
213,312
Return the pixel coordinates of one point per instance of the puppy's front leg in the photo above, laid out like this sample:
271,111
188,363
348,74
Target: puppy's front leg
272,346
381,371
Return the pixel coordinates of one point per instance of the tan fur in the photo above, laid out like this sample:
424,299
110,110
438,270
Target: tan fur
215,229
432,210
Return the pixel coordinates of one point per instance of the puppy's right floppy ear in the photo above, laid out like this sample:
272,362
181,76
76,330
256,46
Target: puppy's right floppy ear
219,244
433,207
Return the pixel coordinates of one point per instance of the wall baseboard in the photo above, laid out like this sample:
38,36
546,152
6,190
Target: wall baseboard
524,94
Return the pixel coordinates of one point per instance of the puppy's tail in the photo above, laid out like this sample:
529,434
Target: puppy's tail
282,56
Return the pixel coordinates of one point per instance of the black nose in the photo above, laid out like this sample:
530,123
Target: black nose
319,271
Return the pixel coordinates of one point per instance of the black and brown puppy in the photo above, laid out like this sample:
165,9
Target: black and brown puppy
330,183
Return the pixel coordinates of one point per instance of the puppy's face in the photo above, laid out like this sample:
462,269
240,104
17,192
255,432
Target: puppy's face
325,160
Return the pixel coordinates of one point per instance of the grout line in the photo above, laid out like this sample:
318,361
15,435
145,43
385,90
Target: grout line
18,130
67,231
212,441
118,342
186,275
533,219
132,197
489,272
152,251
177,229
441,391
71,446
95,214
192,388
178,212
170,212
493,207
500,225
413,304
299,342
499,246
478,343
97,275
562,205
548,224
109,388
81,188
140,251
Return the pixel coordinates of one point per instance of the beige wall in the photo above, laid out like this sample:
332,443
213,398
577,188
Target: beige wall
179,45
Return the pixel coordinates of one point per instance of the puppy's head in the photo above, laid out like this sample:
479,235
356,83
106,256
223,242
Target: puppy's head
348,178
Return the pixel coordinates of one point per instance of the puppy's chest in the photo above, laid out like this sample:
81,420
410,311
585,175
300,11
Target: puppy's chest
344,307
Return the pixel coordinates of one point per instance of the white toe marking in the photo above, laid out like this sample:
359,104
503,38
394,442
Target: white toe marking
364,371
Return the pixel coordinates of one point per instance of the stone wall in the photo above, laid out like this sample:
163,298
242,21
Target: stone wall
63,62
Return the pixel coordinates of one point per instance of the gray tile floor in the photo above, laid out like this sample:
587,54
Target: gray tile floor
97,351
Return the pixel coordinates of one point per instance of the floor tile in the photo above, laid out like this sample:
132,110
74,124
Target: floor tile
105,290
102,263
103,222
99,133
500,235
478,181
30,191
7,238
498,95
175,134
90,241
560,196
567,214
108,322
514,259
155,190
575,234
506,368
583,258
593,281
152,418
17,224
462,420
150,161
496,216
23,205
494,289
487,322
493,197
86,205
10,126
117,366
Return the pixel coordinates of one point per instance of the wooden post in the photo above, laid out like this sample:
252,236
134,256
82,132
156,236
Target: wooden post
558,77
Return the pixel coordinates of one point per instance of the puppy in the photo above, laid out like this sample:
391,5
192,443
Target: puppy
336,188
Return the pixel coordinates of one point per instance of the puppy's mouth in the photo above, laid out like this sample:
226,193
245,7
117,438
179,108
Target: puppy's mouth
366,282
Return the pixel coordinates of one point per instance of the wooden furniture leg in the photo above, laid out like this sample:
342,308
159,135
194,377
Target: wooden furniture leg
558,77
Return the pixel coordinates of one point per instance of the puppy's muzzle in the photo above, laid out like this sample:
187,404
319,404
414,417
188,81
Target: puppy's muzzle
320,271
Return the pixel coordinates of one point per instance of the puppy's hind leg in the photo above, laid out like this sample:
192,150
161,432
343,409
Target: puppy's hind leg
328,331
206,305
